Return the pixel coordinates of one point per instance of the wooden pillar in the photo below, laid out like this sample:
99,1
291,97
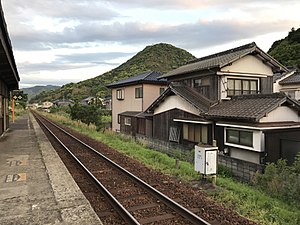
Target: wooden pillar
13,110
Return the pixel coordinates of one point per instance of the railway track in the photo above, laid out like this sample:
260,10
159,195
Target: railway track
135,201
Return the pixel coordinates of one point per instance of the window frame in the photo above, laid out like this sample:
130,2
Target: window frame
242,83
120,94
239,140
191,129
139,92
127,121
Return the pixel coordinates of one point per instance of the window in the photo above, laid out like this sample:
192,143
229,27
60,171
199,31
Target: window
127,121
174,134
202,85
139,92
161,90
120,94
241,87
239,137
195,133
202,82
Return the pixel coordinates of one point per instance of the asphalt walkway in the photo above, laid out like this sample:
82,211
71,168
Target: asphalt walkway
35,186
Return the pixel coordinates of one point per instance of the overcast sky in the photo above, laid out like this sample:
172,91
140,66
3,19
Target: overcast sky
61,41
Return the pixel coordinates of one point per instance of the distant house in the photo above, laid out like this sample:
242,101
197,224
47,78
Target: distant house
106,102
288,83
88,101
63,102
46,106
133,95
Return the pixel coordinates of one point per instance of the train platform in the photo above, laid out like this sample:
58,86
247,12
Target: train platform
35,186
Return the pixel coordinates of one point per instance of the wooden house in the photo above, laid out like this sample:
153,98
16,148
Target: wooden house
132,96
9,77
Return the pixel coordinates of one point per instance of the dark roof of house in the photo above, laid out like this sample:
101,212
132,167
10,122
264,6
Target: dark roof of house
136,114
292,79
189,94
147,77
249,107
129,113
222,59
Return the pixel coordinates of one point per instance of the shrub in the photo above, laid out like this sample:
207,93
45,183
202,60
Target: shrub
281,180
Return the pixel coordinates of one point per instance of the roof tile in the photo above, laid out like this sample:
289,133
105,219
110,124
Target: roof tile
246,107
150,76
293,79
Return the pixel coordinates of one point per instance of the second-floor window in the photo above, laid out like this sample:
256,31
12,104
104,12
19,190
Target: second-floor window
120,94
139,92
203,86
241,87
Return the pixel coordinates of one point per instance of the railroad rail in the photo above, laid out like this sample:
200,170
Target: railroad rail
133,199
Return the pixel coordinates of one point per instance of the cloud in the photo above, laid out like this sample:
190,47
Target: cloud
202,33
193,4
73,61
65,9
65,34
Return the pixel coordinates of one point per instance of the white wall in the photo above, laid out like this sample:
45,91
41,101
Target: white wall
245,155
249,64
172,102
281,114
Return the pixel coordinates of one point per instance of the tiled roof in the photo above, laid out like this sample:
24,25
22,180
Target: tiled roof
293,79
221,59
147,77
129,113
248,107
193,97
189,94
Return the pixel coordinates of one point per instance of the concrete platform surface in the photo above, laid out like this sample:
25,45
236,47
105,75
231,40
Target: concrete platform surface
35,186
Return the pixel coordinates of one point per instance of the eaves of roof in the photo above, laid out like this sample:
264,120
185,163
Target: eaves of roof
150,77
293,78
222,59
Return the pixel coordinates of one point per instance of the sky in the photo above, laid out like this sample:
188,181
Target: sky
61,41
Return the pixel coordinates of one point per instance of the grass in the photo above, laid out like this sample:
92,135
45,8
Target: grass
244,199
19,111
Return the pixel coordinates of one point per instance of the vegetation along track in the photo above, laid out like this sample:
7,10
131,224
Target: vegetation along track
133,199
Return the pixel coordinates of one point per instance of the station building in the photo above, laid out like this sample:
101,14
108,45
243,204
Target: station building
9,77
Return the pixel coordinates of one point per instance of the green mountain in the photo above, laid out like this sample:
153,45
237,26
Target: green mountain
159,57
33,91
287,50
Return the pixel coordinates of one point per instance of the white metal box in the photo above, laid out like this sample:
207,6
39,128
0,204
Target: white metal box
206,159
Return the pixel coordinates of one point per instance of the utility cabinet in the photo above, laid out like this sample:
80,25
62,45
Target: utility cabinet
206,159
